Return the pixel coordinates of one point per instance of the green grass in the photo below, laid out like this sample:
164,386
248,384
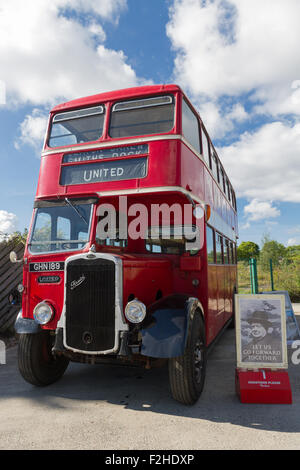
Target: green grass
286,277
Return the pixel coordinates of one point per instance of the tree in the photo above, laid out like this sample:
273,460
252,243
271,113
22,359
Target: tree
247,250
272,250
18,237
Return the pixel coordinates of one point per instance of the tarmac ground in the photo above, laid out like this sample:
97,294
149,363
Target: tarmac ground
110,407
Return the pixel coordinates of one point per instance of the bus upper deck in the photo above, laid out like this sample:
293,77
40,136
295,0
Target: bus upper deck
140,140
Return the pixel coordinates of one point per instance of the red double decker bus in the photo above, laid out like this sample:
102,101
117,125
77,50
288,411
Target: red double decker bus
131,254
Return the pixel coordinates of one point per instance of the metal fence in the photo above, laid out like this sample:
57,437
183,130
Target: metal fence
11,274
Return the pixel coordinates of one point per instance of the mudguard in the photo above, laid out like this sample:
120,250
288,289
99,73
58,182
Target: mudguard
26,325
164,334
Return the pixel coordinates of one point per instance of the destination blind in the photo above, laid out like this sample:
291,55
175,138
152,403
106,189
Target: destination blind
123,151
104,171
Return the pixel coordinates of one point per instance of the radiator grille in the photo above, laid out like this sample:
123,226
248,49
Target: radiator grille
90,304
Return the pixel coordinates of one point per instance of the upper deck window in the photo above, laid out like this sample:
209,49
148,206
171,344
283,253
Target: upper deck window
144,116
190,126
205,147
215,166
75,127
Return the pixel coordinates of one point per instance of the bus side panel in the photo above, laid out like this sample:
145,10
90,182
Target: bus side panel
214,320
192,172
208,185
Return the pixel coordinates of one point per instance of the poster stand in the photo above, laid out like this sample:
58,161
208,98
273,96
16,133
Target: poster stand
263,386
261,374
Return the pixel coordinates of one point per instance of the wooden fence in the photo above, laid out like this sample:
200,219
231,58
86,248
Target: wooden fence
11,274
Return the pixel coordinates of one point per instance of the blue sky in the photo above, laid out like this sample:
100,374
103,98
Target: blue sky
236,60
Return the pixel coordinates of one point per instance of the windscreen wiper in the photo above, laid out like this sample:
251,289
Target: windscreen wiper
76,210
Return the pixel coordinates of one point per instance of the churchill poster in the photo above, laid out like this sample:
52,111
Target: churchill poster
261,331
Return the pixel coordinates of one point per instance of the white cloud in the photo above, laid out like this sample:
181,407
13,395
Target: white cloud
2,92
238,113
219,120
234,46
213,119
244,226
48,54
278,100
260,210
97,30
295,229
8,223
32,130
265,164
236,59
108,9
293,241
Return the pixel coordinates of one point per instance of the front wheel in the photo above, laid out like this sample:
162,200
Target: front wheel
187,372
36,362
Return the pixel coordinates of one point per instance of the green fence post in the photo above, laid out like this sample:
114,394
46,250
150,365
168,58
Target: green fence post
271,274
253,276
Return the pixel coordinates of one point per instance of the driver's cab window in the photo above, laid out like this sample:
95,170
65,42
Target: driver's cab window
63,228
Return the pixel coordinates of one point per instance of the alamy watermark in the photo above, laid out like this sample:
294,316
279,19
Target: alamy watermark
154,222
295,357
2,92
2,353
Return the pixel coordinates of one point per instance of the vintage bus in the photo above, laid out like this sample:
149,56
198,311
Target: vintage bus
138,290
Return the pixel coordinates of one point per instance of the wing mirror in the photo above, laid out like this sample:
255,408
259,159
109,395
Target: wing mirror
14,257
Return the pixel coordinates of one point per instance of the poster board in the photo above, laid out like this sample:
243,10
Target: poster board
261,331
292,328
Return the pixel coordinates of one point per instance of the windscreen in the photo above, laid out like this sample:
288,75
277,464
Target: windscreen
60,228
141,117
75,127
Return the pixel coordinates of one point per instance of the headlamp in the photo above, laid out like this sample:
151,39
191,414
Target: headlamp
135,311
43,313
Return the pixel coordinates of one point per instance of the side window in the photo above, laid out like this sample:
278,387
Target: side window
214,163
232,260
210,245
233,198
226,252
219,249
205,147
222,178
234,254
159,241
111,239
228,190
190,126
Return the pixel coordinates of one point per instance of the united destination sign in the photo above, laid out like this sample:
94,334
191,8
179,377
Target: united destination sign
104,171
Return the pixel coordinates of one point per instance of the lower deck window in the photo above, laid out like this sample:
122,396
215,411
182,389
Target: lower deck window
108,232
169,240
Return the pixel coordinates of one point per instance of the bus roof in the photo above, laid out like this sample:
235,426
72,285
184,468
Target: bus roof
116,95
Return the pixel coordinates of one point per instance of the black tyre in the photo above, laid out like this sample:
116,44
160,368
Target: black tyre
36,362
187,372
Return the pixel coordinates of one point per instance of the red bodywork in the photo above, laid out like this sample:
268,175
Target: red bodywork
174,171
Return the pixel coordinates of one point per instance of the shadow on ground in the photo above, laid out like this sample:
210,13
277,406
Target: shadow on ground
148,391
